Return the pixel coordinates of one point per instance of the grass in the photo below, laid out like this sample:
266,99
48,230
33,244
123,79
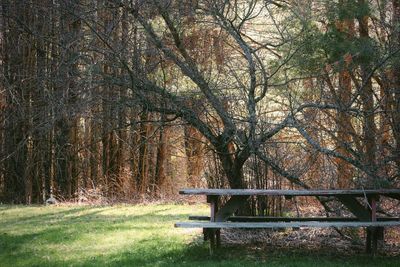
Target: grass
134,235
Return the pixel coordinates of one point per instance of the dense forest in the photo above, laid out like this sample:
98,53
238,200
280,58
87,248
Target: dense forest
133,99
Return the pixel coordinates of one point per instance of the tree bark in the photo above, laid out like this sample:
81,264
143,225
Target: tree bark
194,153
344,169
396,81
367,98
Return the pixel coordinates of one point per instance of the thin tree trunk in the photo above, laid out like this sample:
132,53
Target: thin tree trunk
367,98
160,174
344,169
396,81
194,154
143,168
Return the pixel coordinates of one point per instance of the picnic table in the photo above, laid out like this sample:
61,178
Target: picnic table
361,203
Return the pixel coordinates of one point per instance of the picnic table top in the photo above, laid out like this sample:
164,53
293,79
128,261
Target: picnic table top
273,192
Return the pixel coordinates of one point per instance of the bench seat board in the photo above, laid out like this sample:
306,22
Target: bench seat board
311,224
289,219
395,193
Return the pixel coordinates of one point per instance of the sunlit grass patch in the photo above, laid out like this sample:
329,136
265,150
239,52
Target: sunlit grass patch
83,234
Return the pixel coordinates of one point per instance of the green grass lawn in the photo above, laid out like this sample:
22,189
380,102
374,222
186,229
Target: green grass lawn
134,235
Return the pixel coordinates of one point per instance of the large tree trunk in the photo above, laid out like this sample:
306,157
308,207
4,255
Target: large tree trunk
232,167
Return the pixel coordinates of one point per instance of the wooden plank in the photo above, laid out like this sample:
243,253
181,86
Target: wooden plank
355,207
230,207
289,219
394,193
284,224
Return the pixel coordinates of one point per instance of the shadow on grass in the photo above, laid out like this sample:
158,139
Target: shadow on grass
92,216
197,254
40,218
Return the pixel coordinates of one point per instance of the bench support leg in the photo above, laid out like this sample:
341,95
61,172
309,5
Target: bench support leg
205,234
373,233
211,235
374,237
371,241
218,237
380,235
374,241
214,234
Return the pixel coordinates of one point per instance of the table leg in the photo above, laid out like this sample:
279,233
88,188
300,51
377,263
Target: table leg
380,234
205,234
368,240
217,231
372,232
218,237
213,234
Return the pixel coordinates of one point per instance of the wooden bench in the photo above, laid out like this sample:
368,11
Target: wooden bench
289,219
222,217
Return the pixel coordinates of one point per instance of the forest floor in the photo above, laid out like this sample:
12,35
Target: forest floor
143,235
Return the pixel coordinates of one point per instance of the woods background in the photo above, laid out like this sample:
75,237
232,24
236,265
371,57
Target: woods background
135,99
